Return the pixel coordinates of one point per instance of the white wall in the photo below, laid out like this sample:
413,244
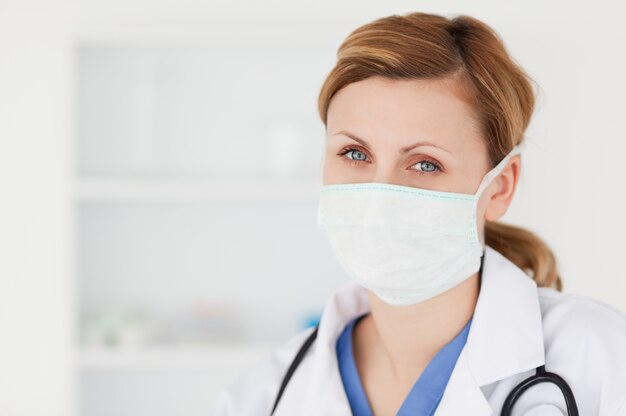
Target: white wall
36,238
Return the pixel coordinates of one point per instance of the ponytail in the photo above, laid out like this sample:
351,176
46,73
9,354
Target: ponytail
524,248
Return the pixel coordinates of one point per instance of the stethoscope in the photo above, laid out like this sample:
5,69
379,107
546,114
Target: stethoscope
540,376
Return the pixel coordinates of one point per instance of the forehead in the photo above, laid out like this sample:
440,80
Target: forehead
401,111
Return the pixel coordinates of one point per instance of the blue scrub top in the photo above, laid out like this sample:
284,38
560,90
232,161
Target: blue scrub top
427,391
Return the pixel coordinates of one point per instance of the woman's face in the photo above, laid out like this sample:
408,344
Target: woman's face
418,133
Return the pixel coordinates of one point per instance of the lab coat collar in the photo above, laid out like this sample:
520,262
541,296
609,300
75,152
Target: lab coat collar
505,339
507,334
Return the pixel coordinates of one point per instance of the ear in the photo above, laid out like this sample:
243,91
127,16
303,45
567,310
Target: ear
505,185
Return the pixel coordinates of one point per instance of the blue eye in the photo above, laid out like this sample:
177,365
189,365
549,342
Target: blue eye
426,166
354,154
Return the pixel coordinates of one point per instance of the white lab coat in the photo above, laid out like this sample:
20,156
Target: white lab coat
516,327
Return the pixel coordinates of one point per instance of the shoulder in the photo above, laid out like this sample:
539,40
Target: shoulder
585,340
253,392
571,314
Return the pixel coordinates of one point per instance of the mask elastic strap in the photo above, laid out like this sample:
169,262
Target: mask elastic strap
498,168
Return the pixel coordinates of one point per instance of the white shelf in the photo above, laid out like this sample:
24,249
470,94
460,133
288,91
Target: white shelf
111,190
222,356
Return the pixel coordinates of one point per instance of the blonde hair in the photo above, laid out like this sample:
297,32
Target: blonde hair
428,46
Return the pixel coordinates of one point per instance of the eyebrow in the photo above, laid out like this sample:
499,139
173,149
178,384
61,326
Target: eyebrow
402,151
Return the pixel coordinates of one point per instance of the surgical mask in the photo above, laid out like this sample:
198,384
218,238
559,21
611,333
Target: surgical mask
403,243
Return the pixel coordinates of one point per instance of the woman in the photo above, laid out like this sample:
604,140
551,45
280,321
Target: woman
449,309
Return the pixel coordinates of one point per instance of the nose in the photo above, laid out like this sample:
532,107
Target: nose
385,174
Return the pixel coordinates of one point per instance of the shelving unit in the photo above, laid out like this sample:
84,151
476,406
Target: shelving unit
93,190
206,357
198,159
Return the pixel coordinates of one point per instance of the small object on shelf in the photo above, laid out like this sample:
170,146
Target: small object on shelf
118,327
205,323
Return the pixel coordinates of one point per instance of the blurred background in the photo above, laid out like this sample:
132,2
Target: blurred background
158,171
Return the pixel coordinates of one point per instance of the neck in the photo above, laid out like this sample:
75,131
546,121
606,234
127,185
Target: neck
406,338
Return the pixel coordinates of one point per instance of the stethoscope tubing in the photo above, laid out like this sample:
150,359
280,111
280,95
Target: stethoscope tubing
541,376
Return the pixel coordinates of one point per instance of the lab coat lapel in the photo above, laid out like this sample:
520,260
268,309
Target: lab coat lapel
505,338
463,395
326,395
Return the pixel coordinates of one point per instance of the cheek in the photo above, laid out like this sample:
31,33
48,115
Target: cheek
337,169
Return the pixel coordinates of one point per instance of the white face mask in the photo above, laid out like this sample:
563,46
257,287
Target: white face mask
403,243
